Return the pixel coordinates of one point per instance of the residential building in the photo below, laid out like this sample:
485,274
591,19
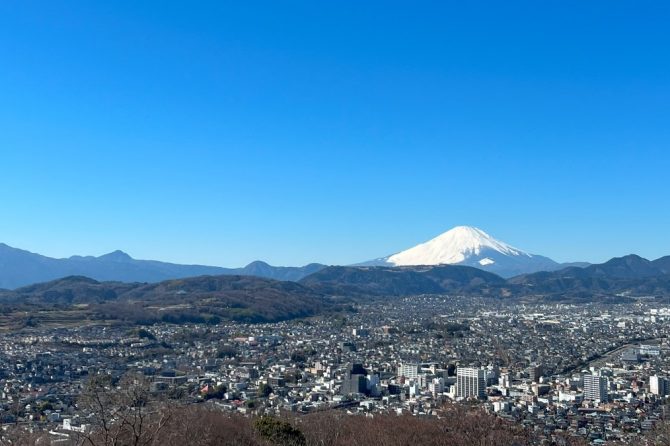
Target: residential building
595,388
470,382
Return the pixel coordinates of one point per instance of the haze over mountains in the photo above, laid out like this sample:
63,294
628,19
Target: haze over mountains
464,261
19,268
480,263
462,245
209,299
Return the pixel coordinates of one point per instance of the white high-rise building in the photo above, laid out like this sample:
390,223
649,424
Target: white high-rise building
414,389
409,370
595,388
436,386
470,382
659,385
504,381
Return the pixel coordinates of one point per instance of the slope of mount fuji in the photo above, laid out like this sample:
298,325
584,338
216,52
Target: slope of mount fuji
468,246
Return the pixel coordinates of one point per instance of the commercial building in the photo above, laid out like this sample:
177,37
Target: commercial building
355,380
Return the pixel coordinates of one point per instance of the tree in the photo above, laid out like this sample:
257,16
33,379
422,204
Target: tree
121,414
226,351
660,435
264,390
298,356
143,333
279,432
216,392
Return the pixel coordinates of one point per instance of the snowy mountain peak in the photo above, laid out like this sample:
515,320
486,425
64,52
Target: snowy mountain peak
455,246
469,246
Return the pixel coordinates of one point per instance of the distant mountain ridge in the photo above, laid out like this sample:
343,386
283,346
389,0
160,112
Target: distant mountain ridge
19,268
469,246
619,277
510,270
208,299
203,299
399,281
628,275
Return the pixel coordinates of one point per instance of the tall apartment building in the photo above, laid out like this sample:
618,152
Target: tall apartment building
470,382
409,370
535,372
659,385
436,386
595,388
355,380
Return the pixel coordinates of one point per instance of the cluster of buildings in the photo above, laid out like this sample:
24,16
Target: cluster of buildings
591,371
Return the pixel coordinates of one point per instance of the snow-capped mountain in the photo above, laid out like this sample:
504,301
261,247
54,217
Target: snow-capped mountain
465,245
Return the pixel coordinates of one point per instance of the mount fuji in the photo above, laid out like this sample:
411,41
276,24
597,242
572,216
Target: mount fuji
469,246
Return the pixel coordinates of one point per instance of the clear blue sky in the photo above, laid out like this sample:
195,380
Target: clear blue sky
222,132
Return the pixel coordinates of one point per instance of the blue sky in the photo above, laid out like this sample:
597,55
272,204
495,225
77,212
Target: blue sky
298,131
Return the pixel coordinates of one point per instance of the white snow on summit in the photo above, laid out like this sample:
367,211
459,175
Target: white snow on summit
454,246
468,246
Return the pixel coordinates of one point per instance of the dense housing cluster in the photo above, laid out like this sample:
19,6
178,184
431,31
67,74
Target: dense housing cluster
586,371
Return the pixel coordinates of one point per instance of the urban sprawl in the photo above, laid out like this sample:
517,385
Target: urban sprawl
598,372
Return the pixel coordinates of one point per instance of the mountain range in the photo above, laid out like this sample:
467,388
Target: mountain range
20,268
462,245
619,277
399,281
114,287
479,264
209,299
202,299
630,275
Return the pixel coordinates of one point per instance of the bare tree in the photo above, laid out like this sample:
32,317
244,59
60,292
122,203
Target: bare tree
660,435
124,413
199,425
17,436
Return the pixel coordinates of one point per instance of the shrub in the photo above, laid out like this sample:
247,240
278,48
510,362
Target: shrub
279,432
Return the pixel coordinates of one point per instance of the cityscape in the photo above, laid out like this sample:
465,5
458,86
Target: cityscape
300,223
592,372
